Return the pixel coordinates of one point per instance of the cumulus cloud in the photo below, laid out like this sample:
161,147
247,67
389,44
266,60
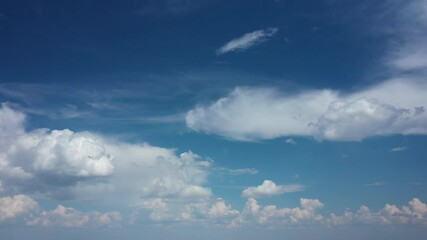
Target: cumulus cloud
396,106
207,210
413,213
16,206
69,217
248,40
66,164
268,188
271,215
218,211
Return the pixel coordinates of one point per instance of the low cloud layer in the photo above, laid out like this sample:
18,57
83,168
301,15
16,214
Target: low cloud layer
393,107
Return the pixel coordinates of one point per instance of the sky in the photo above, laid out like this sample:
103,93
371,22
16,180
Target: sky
213,119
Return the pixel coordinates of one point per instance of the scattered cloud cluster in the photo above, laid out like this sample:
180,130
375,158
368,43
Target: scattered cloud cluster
24,208
396,106
307,213
413,213
268,188
69,217
246,41
273,216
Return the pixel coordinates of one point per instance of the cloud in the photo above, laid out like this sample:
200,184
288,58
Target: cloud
268,188
399,149
413,213
238,171
291,141
158,209
270,215
220,209
411,34
69,217
63,164
375,184
16,206
202,211
246,41
396,106
217,211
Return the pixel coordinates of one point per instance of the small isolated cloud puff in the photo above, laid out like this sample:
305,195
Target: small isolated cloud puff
399,149
291,141
268,188
247,41
392,107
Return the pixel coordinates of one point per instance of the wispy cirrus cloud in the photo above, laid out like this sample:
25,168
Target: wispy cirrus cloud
247,41
375,184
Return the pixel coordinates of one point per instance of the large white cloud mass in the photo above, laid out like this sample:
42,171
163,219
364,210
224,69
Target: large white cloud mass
393,107
66,164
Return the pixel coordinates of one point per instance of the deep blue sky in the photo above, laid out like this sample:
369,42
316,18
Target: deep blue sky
319,100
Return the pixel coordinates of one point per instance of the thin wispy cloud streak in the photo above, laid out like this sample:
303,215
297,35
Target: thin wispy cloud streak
399,149
247,41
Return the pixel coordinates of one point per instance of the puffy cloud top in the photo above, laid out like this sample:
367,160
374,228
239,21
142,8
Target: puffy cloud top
268,188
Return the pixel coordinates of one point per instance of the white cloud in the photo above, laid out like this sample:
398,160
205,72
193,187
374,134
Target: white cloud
69,217
220,209
396,106
16,206
413,213
198,211
238,171
268,188
273,216
375,184
66,164
158,209
291,141
23,207
247,40
399,149
411,33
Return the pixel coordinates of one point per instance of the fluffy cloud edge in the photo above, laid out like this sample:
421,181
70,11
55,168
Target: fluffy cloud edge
395,106
269,188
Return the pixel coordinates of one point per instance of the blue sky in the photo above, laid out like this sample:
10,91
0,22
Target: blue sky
213,119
